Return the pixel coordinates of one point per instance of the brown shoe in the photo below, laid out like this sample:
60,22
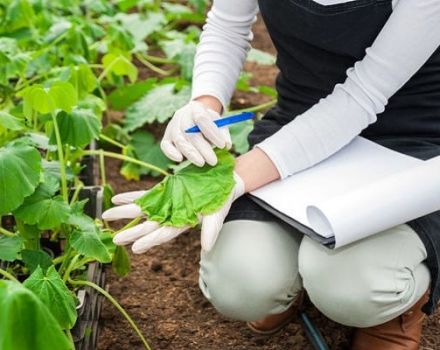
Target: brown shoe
401,333
274,323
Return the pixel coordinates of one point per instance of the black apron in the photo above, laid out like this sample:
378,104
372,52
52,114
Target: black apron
316,44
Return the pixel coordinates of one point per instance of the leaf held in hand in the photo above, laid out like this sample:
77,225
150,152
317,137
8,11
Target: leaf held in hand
179,198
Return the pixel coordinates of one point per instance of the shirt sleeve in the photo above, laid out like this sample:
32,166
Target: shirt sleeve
222,50
405,43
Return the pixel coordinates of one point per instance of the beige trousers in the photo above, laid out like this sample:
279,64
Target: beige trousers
256,268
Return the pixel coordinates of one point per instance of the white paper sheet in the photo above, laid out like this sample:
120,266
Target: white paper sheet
354,193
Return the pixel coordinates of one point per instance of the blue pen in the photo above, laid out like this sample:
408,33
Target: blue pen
232,119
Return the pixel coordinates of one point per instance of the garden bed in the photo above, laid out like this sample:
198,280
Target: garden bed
162,293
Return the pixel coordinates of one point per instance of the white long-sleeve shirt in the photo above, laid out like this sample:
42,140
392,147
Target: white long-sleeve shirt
405,43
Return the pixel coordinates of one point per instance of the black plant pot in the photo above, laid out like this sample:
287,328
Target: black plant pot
89,174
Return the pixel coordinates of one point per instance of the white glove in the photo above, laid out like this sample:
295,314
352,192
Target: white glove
150,233
196,147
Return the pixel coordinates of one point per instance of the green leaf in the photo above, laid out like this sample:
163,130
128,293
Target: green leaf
8,121
108,193
86,237
126,95
179,198
77,128
25,321
239,135
120,65
52,291
121,262
43,208
83,80
20,167
9,247
61,95
182,51
158,104
260,57
36,258
148,150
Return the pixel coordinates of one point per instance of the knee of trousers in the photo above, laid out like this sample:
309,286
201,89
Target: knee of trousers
358,288
251,271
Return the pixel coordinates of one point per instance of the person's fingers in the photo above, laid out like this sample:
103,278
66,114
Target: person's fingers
135,232
204,148
227,136
188,150
170,151
127,211
127,197
157,237
210,131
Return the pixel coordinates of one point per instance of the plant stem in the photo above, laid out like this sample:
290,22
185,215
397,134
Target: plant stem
153,67
127,159
133,222
79,186
7,233
7,275
102,168
116,304
61,158
159,60
111,141
257,108
69,269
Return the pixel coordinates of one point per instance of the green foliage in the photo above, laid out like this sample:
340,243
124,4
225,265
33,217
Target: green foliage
121,262
44,208
51,290
77,128
126,95
86,237
158,104
36,258
180,198
9,247
239,135
26,322
260,57
20,167
120,65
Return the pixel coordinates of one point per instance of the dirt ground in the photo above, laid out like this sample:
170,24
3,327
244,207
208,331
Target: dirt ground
162,295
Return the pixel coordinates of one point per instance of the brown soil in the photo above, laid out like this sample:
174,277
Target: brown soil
162,295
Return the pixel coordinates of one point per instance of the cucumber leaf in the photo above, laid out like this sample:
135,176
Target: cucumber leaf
121,262
120,65
158,104
126,95
9,247
35,258
52,291
20,167
43,208
239,135
25,321
86,238
8,121
77,128
179,198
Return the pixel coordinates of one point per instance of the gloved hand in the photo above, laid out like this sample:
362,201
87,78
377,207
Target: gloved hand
196,147
149,233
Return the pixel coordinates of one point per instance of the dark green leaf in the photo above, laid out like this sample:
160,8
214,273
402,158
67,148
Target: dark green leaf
9,247
35,258
121,262
25,321
52,291
20,167
126,95
43,208
148,150
77,128
179,198
158,104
